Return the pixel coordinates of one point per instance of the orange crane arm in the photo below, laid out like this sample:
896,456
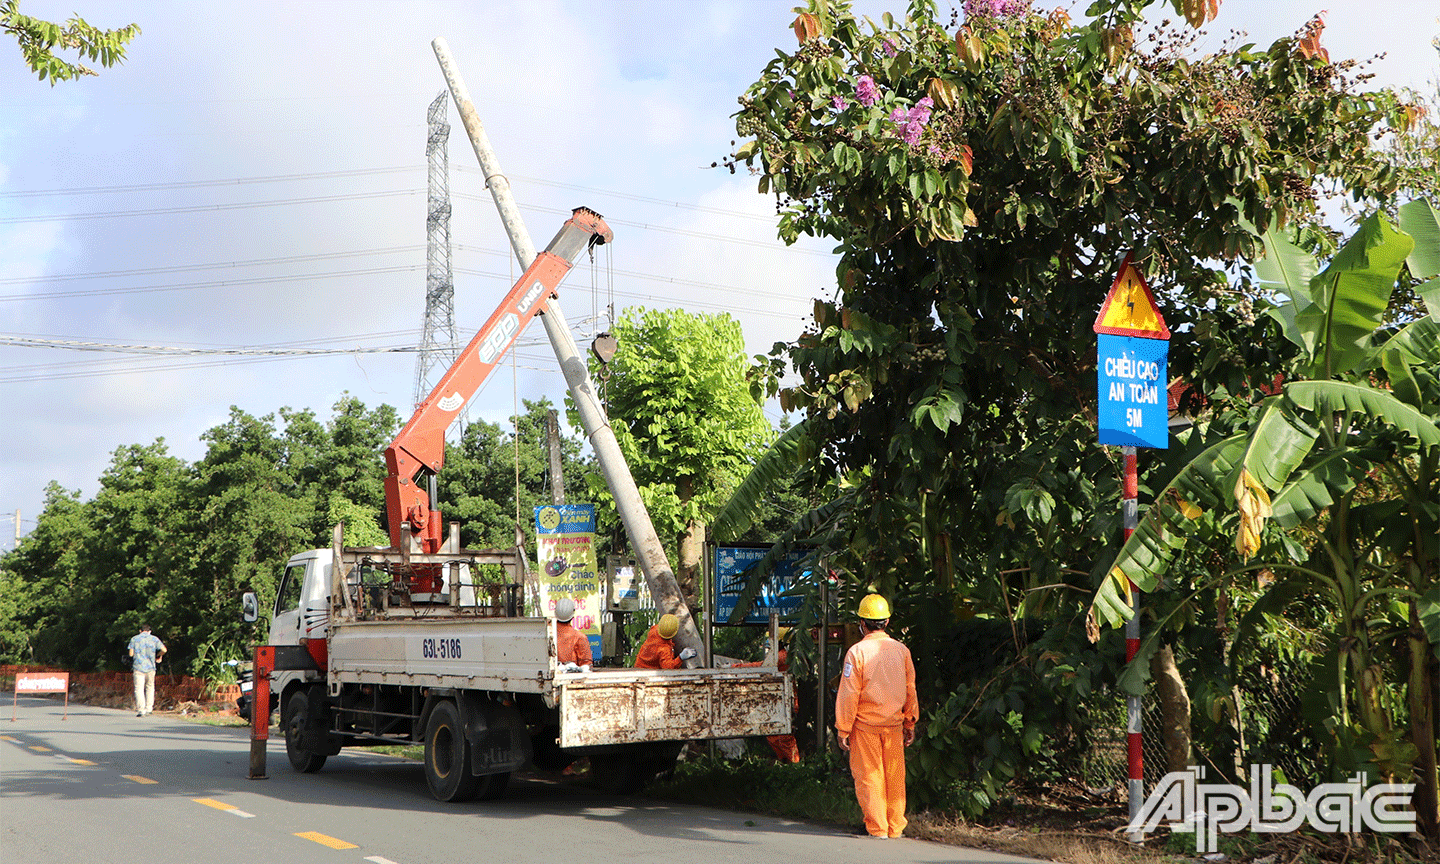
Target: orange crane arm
419,449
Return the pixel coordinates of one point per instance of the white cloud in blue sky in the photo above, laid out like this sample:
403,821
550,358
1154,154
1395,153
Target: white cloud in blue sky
630,97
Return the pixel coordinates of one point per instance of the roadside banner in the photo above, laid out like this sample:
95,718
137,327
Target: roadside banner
565,553
40,682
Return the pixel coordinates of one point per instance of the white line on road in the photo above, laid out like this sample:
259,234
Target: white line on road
376,859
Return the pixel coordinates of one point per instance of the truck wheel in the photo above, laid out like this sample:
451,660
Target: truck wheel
447,756
301,760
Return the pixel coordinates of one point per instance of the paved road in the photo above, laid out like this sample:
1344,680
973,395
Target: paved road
107,787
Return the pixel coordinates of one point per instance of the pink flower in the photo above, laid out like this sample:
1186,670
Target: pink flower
911,133
839,103
866,91
898,116
995,8
889,48
921,111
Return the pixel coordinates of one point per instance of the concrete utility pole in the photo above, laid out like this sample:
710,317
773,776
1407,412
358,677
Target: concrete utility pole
643,540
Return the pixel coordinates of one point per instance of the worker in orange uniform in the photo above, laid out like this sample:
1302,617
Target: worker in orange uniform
785,747
875,716
572,648
658,652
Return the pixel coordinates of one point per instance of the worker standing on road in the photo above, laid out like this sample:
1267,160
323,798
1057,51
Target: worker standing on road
875,716
572,648
145,651
658,652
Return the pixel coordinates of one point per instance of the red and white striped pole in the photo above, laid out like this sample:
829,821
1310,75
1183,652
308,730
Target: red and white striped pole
1134,749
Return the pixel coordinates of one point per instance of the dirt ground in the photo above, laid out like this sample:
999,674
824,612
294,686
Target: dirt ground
1074,826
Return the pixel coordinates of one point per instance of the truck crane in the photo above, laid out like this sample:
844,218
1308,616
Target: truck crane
418,642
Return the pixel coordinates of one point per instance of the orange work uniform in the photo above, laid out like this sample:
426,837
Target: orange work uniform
785,747
657,652
571,646
875,707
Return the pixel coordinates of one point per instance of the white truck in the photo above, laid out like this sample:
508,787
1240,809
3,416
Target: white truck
359,663
423,641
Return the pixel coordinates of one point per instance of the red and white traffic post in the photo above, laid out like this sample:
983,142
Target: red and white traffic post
1131,355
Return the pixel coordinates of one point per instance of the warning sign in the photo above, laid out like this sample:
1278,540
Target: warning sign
1129,309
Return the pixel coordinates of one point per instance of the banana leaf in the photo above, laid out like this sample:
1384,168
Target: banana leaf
1350,295
1165,529
1379,404
775,467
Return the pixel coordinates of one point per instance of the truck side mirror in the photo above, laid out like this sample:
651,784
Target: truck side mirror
249,608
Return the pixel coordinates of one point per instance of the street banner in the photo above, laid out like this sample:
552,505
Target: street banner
40,682
731,563
565,554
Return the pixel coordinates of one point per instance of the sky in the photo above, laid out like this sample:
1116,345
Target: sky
254,177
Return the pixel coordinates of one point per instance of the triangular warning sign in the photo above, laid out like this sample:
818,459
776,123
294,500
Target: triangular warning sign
1130,309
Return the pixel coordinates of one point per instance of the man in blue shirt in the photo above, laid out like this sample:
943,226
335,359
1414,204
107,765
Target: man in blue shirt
145,652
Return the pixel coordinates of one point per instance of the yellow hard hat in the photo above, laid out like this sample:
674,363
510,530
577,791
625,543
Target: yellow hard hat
874,608
669,626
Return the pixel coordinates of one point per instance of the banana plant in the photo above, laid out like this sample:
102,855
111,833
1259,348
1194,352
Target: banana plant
1333,441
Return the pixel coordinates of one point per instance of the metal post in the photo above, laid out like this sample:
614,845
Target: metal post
822,740
1134,743
707,602
260,709
648,549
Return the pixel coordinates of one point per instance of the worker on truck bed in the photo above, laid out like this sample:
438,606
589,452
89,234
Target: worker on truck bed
785,747
572,648
658,652
875,714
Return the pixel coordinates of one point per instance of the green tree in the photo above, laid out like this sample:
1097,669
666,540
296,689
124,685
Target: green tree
681,408
39,40
982,186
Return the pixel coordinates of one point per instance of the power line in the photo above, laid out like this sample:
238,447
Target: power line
205,208
370,172
646,226
203,184
183,268
223,283
176,351
627,196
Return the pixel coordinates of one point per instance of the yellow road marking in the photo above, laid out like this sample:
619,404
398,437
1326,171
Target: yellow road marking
221,805
72,760
323,840
8,738
39,748
82,762
138,779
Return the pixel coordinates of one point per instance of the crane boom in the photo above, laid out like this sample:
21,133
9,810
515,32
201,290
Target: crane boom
419,450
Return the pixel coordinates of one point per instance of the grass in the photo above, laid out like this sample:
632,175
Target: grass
810,790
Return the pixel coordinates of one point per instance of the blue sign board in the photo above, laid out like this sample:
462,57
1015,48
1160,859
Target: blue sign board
1134,391
731,562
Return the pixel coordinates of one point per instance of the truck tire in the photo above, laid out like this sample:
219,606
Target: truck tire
296,711
447,756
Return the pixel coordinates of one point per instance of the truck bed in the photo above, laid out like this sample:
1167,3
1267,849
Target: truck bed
517,655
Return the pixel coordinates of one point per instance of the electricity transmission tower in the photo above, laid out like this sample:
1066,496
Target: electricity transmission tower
439,345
